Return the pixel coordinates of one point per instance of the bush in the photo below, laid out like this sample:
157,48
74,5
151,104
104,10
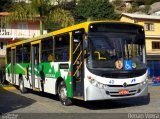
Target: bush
95,10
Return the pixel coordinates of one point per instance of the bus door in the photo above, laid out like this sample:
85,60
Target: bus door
77,64
13,61
35,51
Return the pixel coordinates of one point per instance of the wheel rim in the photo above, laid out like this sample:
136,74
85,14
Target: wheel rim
63,93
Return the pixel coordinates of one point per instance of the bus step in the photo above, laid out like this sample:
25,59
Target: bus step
79,98
36,89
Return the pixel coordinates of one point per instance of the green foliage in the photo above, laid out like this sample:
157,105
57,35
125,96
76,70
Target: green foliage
71,5
119,6
5,5
44,9
68,7
132,10
138,2
61,16
135,7
21,12
145,9
94,10
150,2
117,2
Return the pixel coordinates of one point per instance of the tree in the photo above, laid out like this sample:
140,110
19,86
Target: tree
138,2
68,5
65,5
142,6
5,4
45,9
94,10
119,6
150,2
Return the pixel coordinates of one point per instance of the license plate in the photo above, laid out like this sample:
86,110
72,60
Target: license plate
123,92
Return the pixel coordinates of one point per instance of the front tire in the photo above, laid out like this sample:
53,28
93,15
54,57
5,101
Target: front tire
21,86
62,92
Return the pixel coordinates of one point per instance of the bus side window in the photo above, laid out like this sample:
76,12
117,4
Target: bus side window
19,54
26,53
62,48
47,50
8,55
44,57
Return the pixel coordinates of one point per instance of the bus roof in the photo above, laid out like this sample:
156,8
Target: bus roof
64,30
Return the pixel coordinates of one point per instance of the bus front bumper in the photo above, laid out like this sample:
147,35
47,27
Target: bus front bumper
94,93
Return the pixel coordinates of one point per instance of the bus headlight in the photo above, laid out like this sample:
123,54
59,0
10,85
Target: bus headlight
97,84
144,82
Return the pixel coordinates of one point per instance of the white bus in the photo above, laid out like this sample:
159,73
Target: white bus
96,60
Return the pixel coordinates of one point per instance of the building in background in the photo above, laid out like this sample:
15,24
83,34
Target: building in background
151,24
16,31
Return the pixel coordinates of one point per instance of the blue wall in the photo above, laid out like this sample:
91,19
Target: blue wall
154,68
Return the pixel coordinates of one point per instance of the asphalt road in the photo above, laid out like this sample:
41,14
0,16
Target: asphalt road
12,101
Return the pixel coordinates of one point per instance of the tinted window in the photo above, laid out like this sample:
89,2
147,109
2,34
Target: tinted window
62,47
26,53
116,27
8,55
47,50
19,54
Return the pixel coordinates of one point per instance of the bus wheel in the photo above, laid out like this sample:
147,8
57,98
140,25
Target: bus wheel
21,87
62,92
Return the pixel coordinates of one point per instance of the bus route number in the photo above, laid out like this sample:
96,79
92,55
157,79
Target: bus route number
111,82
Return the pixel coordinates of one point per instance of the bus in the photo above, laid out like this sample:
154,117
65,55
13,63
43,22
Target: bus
94,60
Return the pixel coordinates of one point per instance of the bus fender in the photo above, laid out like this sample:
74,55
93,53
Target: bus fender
59,79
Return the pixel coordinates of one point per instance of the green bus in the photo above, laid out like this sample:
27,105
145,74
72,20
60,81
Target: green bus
97,60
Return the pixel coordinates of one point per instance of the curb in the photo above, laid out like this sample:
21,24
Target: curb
9,87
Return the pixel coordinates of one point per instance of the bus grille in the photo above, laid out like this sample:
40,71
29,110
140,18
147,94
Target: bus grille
129,85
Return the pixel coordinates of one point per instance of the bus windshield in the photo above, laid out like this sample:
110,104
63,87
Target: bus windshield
105,50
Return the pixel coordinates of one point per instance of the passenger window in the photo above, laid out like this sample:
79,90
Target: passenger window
26,53
47,50
8,55
62,48
19,54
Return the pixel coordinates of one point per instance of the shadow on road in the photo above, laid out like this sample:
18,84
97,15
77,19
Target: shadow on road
46,95
10,101
113,104
107,104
